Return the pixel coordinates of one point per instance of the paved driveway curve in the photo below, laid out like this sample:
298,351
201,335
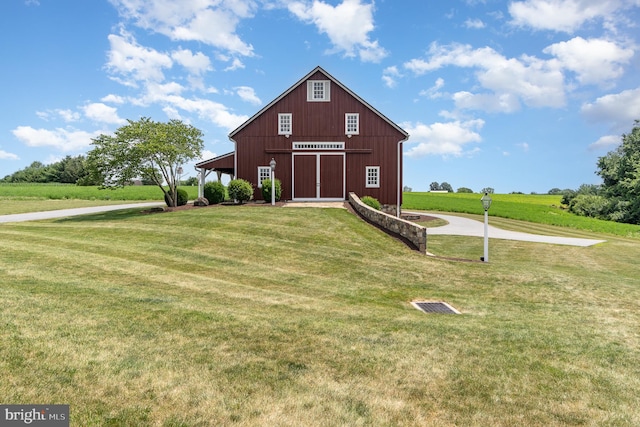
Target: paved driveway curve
63,213
459,226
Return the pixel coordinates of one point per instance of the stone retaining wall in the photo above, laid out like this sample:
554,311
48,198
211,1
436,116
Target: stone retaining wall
414,233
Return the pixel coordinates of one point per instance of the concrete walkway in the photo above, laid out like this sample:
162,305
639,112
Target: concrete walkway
63,213
459,226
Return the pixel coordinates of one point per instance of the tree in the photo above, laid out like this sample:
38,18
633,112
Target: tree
464,190
488,190
434,186
445,186
620,172
146,149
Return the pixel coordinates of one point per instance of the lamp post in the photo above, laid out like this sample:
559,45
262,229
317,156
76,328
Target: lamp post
486,204
272,163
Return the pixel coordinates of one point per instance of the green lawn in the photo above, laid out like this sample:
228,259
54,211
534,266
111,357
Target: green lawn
244,316
22,198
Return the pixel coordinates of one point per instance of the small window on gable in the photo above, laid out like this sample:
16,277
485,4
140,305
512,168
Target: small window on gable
352,123
284,123
318,90
264,172
373,177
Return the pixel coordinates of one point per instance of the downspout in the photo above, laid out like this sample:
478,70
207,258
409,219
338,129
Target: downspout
398,209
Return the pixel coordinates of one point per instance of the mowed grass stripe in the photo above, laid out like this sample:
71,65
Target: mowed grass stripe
307,322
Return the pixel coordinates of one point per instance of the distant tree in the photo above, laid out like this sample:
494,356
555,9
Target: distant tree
464,190
445,186
407,189
191,181
488,190
554,192
434,186
35,172
151,150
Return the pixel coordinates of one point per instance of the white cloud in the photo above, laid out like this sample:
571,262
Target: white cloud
475,24
595,61
67,140
619,109
561,15
607,142
4,155
113,99
102,113
434,91
390,75
490,102
445,139
534,82
197,63
235,65
212,22
66,115
134,62
347,25
247,94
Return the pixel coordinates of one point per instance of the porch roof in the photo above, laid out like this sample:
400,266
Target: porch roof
223,163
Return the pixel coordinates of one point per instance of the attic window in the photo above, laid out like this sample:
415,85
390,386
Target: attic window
284,123
318,90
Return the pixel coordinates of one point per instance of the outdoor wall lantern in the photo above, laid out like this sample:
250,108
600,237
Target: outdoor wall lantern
272,163
486,204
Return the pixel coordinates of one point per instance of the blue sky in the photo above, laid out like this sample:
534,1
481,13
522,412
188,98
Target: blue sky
515,95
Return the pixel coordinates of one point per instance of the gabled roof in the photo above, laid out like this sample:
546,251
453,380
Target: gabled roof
222,162
304,79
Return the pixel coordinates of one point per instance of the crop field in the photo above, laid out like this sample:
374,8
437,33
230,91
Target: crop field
254,315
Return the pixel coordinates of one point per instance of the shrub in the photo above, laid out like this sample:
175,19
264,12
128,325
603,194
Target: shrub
464,190
240,190
214,192
371,202
266,189
183,197
589,205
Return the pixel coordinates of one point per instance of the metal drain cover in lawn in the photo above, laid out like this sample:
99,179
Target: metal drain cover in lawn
434,307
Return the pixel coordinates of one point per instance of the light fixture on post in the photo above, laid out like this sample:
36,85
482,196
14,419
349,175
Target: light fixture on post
272,163
486,204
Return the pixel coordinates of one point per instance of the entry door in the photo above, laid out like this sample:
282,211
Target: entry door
318,176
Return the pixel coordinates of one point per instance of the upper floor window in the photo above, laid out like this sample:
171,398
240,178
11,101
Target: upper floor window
352,123
318,90
284,123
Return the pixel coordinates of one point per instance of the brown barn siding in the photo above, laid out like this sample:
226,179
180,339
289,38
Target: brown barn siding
321,122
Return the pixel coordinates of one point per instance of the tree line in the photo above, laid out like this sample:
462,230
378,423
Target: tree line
70,170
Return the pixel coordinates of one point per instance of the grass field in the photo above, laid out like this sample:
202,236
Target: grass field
21,198
244,316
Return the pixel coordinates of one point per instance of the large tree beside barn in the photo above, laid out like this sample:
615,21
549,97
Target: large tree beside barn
153,151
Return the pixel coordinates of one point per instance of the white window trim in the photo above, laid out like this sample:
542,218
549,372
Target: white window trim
280,123
346,124
326,92
264,172
377,174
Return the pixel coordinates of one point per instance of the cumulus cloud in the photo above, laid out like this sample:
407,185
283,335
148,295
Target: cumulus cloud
113,99
445,139
197,63
130,63
4,155
247,94
527,79
619,109
561,15
213,22
66,140
607,143
434,91
347,25
595,61
390,76
102,113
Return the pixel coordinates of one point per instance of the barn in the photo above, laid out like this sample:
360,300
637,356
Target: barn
326,142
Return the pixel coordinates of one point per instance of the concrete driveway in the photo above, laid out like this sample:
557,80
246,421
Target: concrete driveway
63,213
459,226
